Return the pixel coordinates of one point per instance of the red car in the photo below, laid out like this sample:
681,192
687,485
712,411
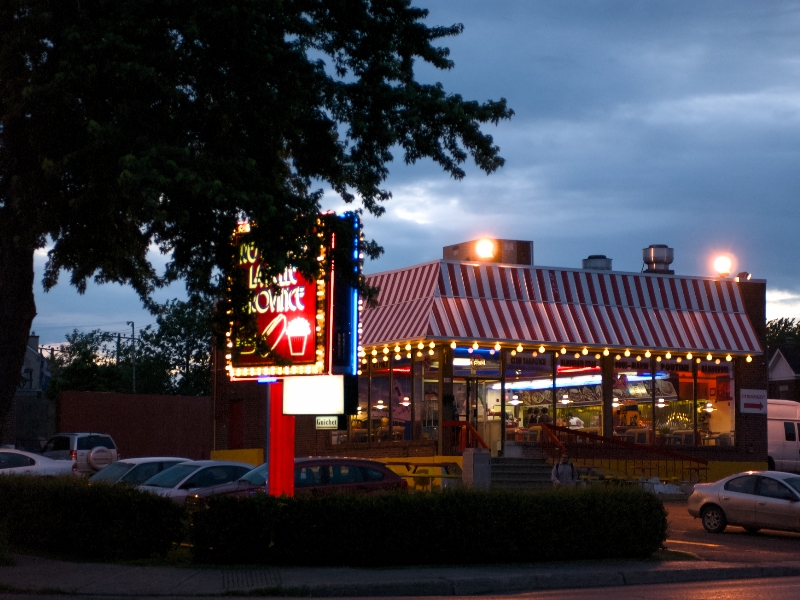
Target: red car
331,475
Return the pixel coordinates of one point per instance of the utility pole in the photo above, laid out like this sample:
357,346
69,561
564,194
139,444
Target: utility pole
133,357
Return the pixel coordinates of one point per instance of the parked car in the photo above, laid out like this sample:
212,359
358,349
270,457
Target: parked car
753,500
135,471
330,475
90,451
251,483
783,441
19,462
188,478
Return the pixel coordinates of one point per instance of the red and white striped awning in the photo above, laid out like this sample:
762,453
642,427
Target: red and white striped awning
489,303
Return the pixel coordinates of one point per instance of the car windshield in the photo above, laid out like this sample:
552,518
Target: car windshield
793,482
112,472
169,478
257,476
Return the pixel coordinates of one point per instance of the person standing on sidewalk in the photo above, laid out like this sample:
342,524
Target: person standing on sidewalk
564,474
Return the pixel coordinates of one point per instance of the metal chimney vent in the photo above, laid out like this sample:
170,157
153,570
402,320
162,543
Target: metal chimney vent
598,262
657,259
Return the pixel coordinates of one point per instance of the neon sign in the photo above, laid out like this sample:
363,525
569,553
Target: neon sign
303,327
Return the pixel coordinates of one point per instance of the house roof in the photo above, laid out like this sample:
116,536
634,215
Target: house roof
791,357
489,302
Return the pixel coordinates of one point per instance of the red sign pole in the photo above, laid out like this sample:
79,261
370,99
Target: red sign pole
281,445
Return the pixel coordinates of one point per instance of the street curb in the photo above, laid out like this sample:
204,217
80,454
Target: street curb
443,586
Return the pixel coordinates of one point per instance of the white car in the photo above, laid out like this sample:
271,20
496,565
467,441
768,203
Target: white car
186,479
135,471
92,451
19,462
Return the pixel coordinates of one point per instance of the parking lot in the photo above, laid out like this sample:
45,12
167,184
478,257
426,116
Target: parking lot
686,534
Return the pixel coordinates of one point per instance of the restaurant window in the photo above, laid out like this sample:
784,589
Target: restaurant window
429,405
476,376
529,394
632,407
400,397
579,394
716,409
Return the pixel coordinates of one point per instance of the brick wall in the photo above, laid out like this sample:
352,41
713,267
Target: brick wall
751,429
142,425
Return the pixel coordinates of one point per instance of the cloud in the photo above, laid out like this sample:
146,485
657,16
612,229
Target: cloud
783,304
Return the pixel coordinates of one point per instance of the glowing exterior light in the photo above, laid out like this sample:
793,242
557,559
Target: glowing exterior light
453,345
647,354
668,355
606,352
374,352
475,345
585,351
497,346
407,347
563,351
519,347
484,249
749,359
658,359
420,345
577,355
617,357
638,358
432,345
541,349
386,350
708,356
597,356
688,356
728,358
627,353
722,265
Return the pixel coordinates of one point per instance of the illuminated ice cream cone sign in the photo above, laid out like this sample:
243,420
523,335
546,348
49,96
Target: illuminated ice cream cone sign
299,332
298,317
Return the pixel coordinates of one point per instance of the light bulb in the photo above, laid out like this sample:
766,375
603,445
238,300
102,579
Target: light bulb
708,356
475,345
519,347
453,345
627,353
497,346
668,355
647,354
420,345
688,356
606,352
563,351
728,358
585,351
749,359
541,349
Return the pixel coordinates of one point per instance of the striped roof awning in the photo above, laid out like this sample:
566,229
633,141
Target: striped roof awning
449,300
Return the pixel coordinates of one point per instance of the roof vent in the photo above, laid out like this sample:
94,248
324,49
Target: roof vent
657,259
598,262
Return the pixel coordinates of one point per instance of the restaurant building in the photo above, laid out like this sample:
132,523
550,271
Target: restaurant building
485,345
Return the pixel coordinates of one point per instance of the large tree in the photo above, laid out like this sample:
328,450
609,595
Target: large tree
132,124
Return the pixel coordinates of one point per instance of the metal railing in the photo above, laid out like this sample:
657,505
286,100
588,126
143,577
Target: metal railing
626,459
460,435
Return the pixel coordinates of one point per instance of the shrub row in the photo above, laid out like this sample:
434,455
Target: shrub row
97,522
411,529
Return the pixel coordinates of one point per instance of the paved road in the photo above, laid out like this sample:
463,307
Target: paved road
752,589
733,545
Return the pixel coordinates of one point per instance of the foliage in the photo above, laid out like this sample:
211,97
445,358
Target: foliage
140,124
96,522
173,358
783,332
447,528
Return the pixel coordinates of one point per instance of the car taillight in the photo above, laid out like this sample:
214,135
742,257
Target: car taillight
73,455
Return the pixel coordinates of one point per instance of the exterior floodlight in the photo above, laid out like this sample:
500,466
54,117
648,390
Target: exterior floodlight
722,265
744,276
484,249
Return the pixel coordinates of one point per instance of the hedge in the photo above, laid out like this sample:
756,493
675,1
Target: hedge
459,527
66,515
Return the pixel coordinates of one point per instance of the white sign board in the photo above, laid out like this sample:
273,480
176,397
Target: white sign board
320,395
753,401
328,422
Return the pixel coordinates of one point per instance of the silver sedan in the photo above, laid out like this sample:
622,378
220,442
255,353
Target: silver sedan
753,500
19,462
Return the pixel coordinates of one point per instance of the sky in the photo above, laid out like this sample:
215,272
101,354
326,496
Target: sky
636,123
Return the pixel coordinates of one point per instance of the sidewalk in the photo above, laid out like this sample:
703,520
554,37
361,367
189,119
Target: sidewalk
33,574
